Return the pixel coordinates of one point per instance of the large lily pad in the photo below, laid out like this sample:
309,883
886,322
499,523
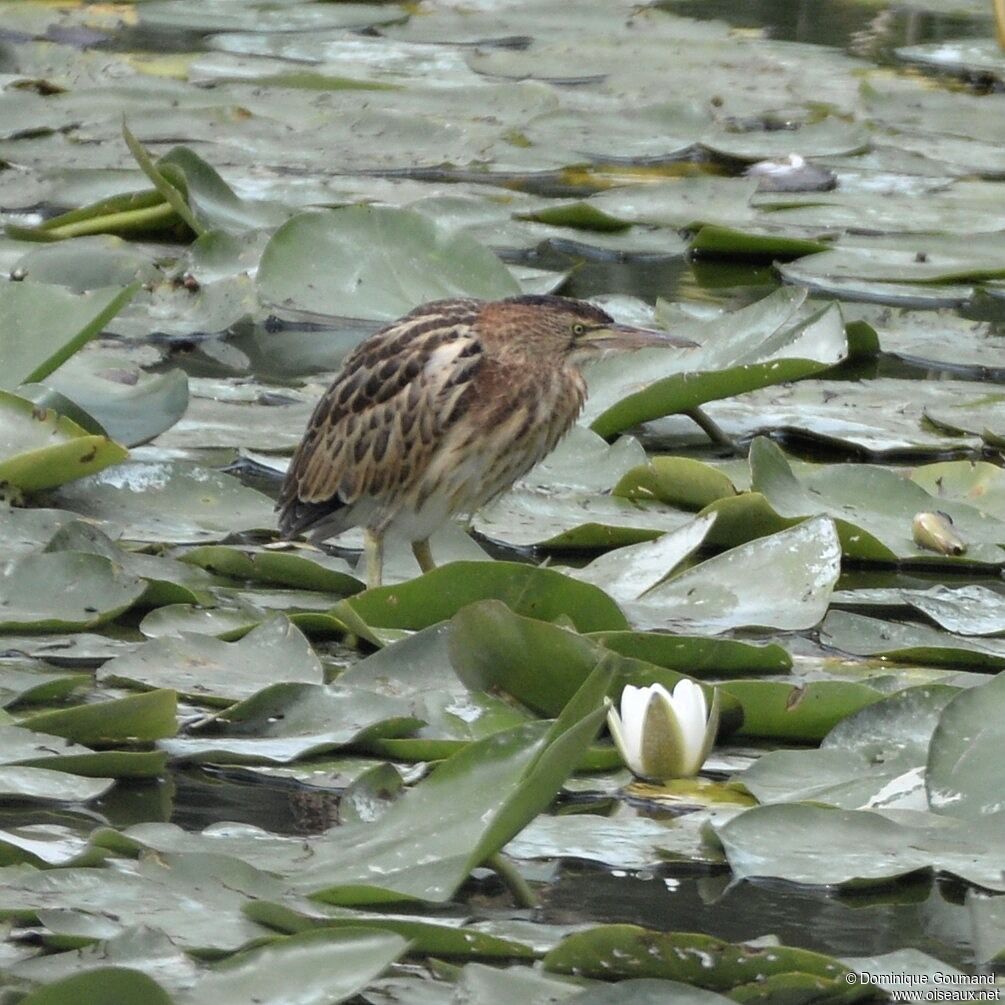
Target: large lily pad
964,754
438,595
173,502
803,843
760,345
40,449
94,591
782,581
425,845
217,672
375,262
45,325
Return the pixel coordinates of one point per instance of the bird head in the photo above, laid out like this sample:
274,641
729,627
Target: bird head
572,330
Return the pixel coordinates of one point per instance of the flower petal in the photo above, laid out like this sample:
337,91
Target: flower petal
630,757
663,749
633,712
689,705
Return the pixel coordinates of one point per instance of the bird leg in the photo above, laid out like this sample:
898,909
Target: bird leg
423,555
373,545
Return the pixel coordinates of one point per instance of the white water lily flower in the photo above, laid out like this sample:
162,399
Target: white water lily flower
662,735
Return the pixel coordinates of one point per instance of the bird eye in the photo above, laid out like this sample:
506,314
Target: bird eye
579,329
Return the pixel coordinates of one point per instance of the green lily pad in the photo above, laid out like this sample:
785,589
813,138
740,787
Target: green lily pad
782,581
288,721
328,966
168,581
173,502
904,642
94,591
698,655
419,668
314,261
679,481
45,785
620,842
964,754
821,845
131,406
873,758
964,610
45,325
872,507
41,449
24,682
617,951
194,899
757,346
444,940
219,673
471,806
438,595
299,567
139,717
627,573
112,985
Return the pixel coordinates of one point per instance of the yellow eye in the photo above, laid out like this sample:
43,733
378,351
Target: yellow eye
578,329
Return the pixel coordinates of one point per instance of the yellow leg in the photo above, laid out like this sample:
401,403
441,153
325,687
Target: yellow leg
420,549
374,547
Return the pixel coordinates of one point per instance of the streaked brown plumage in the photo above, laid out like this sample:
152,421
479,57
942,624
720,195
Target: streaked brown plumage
440,412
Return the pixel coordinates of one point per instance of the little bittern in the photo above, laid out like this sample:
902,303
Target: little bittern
440,412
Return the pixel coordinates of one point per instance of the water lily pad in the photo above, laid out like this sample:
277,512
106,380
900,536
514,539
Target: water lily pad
443,938
45,325
284,722
627,573
24,682
615,951
803,843
438,595
141,717
168,581
303,568
964,753
419,669
905,642
851,416
873,758
114,985
46,785
194,899
314,262
757,346
93,592
782,581
428,841
872,507
174,502
302,969
41,449
131,406
215,672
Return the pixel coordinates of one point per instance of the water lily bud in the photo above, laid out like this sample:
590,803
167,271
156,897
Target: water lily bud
935,532
662,735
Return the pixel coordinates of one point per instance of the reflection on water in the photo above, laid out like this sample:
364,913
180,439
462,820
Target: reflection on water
923,915
862,29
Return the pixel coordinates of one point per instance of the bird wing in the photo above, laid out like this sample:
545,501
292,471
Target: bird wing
375,429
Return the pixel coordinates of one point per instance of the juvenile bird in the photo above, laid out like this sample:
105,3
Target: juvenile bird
442,411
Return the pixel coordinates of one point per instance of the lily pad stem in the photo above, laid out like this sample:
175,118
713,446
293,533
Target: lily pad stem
711,429
511,876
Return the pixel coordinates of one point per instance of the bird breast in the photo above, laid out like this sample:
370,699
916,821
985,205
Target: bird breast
511,429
